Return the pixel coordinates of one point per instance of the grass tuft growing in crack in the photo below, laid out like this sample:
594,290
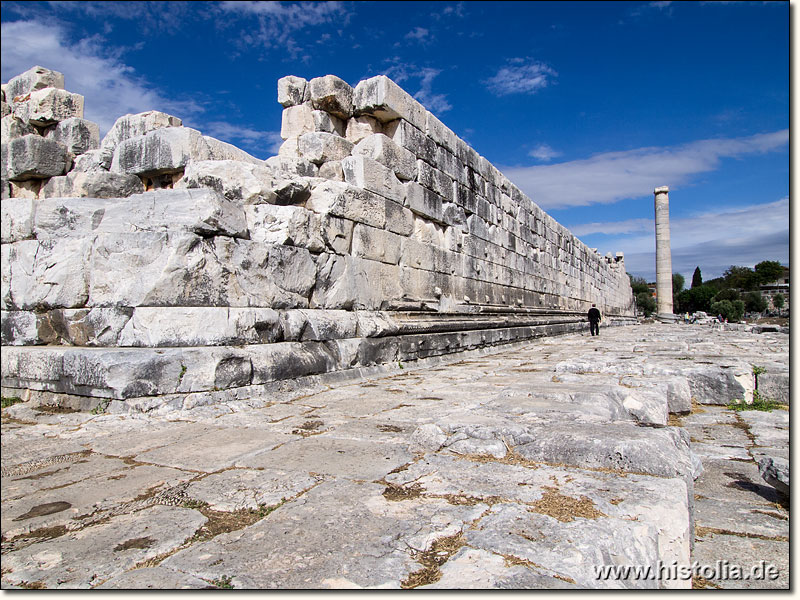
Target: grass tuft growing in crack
432,559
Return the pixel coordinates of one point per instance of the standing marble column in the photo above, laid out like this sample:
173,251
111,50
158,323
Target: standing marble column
663,257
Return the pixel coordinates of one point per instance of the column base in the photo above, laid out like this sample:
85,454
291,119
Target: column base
667,318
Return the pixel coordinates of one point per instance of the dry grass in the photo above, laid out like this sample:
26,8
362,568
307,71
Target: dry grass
431,560
565,508
398,493
705,531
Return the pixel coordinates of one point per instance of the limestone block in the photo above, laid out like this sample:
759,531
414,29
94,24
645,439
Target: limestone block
320,147
350,283
35,78
12,127
454,215
399,219
439,133
289,149
5,109
328,123
434,180
130,126
78,135
428,232
775,471
376,244
447,162
318,325
332,170
181,269
240,182
200,326
47,106
48,273
224,151
383,99
360,127
674,389
5,188
166,150
202,212
466,198
285,225
774,386
18,328
370,175
297,120
714,385
16,222
409,137
97,184
289,360
382,149
88,162
292,166
292,91
424,202
35,157
349,202
333,95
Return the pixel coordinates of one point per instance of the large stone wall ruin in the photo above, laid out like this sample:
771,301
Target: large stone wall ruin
161,268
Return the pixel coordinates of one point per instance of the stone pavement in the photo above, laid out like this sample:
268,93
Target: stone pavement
530,467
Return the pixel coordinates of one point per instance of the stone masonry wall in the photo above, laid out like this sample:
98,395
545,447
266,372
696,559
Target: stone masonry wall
163,268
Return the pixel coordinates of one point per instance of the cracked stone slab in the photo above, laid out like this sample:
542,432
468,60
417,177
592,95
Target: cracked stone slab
300,545
339,457
88,557
245,489
726,452
736,481
742,517
746,553
155,578
69,504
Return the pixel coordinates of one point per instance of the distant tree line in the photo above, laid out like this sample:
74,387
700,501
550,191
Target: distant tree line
731,295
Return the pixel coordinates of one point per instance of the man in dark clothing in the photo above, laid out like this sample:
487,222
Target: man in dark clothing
594,320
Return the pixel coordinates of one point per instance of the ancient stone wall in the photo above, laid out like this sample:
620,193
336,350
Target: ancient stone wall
163,268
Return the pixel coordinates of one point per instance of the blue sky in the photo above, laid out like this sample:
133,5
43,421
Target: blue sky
586,106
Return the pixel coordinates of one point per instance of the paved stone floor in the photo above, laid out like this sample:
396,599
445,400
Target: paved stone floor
530,467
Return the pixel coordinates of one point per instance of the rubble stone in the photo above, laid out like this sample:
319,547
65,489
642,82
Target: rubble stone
333,95
78,135
47,106
292,91
35,78
34,157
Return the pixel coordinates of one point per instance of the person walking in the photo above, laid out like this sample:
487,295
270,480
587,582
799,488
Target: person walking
594,320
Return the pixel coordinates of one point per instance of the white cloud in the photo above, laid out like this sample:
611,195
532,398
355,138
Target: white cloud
544,152
109,87
712,240
258,141
419,34
274,24
521,76
436,103
612,176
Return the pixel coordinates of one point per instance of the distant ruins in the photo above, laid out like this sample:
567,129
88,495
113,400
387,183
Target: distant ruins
160,268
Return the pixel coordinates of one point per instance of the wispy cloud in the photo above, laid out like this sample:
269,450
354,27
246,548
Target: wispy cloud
110,87
544,153
419,34
275,24
712,240
521,76
613,176
268,141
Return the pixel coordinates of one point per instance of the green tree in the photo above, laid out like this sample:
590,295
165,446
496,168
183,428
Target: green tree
768,271
754,302
778,300
638,285
727,294
729,310
677,285
742,278
698,298
645,303
697,278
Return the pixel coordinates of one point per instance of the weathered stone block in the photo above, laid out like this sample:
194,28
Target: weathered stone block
333,95
78,135
435,180
88,162
412,139
240,182
49,105
360,127
12,127
332,170
130,126
203,212
16,222
399,219
292,166
285,225
349,283
35,157
349,202
376,244
35,78
424,202
97,184
297,120
382,149
369,174
28,189
224,151
440,133
318,325
292,91
320,147
386,101
328,123
166,150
